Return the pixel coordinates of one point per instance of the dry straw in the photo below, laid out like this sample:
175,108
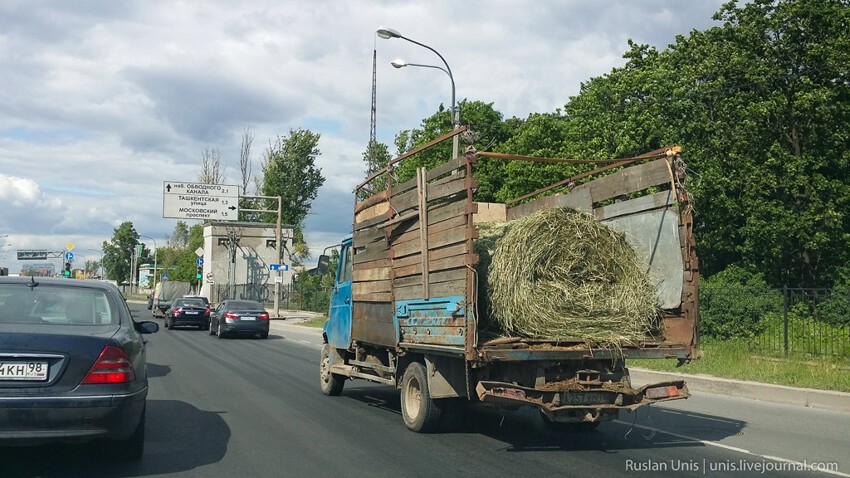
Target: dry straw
561,275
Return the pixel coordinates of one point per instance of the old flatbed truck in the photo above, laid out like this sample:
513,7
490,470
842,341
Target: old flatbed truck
404,310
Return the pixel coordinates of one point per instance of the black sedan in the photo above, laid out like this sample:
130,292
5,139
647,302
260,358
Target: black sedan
192,312
239,317
72,365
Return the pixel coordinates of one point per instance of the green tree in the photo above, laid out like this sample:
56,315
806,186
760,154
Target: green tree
481,118
178,258
376,157
118,251
289,171
769,99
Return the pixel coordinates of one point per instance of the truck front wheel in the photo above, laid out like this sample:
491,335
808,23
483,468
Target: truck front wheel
421,413
331,383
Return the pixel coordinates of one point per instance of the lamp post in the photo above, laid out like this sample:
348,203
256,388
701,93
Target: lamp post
386,34
155,271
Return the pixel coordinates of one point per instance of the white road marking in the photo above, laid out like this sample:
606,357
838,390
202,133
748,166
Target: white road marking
734,448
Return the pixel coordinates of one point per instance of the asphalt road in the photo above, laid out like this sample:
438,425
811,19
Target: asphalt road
250,407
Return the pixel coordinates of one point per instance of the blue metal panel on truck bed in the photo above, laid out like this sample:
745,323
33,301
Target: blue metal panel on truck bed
437,321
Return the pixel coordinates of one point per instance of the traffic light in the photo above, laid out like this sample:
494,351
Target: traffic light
200,272
67,272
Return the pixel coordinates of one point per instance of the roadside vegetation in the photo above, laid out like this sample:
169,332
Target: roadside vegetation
734,359
317,322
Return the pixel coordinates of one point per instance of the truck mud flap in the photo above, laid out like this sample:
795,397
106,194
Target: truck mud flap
606,397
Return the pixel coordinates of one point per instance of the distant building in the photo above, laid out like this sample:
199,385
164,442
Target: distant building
255,250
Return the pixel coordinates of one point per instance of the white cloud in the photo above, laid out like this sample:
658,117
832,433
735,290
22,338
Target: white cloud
103,101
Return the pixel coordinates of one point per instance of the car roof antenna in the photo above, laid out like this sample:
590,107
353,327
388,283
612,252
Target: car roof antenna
32,282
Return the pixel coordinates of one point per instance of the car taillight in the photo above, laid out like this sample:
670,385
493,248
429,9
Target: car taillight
231,315
207,312
263,316
112,366
175,311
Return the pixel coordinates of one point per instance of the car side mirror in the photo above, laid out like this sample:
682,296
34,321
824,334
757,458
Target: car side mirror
147,327
322,267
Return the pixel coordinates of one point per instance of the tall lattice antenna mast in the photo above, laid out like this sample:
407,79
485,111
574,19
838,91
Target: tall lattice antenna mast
373,125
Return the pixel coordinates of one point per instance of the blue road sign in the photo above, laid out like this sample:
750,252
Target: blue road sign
274,267
69,256
200,261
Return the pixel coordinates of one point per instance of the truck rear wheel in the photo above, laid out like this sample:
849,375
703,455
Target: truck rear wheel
421,413
331,383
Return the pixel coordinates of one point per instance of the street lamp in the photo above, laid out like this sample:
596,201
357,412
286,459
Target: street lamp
155,271
386,34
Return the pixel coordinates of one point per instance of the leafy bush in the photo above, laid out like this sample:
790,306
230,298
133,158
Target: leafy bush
735,302
833,308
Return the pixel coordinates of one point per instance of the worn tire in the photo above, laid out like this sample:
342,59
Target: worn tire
421,413
330,383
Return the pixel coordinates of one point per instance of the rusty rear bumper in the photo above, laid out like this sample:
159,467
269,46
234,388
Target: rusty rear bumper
605,398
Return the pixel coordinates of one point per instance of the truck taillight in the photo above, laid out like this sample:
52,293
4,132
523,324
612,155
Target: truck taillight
662,392
112,366
263,316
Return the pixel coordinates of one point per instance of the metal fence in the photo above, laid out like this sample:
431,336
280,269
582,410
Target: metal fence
292,296
788,321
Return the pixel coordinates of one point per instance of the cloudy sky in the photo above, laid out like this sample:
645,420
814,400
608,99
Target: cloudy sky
103,100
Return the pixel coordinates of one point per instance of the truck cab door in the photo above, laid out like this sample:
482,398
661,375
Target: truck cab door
338,326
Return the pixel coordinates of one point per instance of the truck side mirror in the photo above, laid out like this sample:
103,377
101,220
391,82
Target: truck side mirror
322,267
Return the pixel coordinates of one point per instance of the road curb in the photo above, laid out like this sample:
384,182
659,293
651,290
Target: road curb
781,394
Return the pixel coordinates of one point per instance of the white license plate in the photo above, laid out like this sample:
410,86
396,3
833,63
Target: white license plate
191,312
247,318
29,370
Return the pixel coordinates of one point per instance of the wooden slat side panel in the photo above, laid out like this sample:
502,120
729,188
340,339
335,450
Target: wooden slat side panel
458,163
413,231
450,188
375,274
436,277
373,264
436,240
433,254
370,255
451,262
373,297
363,288
365,237
442,289
629,180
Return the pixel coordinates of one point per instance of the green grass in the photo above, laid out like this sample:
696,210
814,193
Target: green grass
317,322
733,359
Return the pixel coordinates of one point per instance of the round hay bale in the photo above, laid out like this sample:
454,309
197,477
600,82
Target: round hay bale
561,275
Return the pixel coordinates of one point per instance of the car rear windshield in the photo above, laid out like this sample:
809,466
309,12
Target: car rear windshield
245,304
52,305
190,303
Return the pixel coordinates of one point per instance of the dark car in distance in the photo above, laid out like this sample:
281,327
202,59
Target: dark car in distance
72,365
239,317
192,312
